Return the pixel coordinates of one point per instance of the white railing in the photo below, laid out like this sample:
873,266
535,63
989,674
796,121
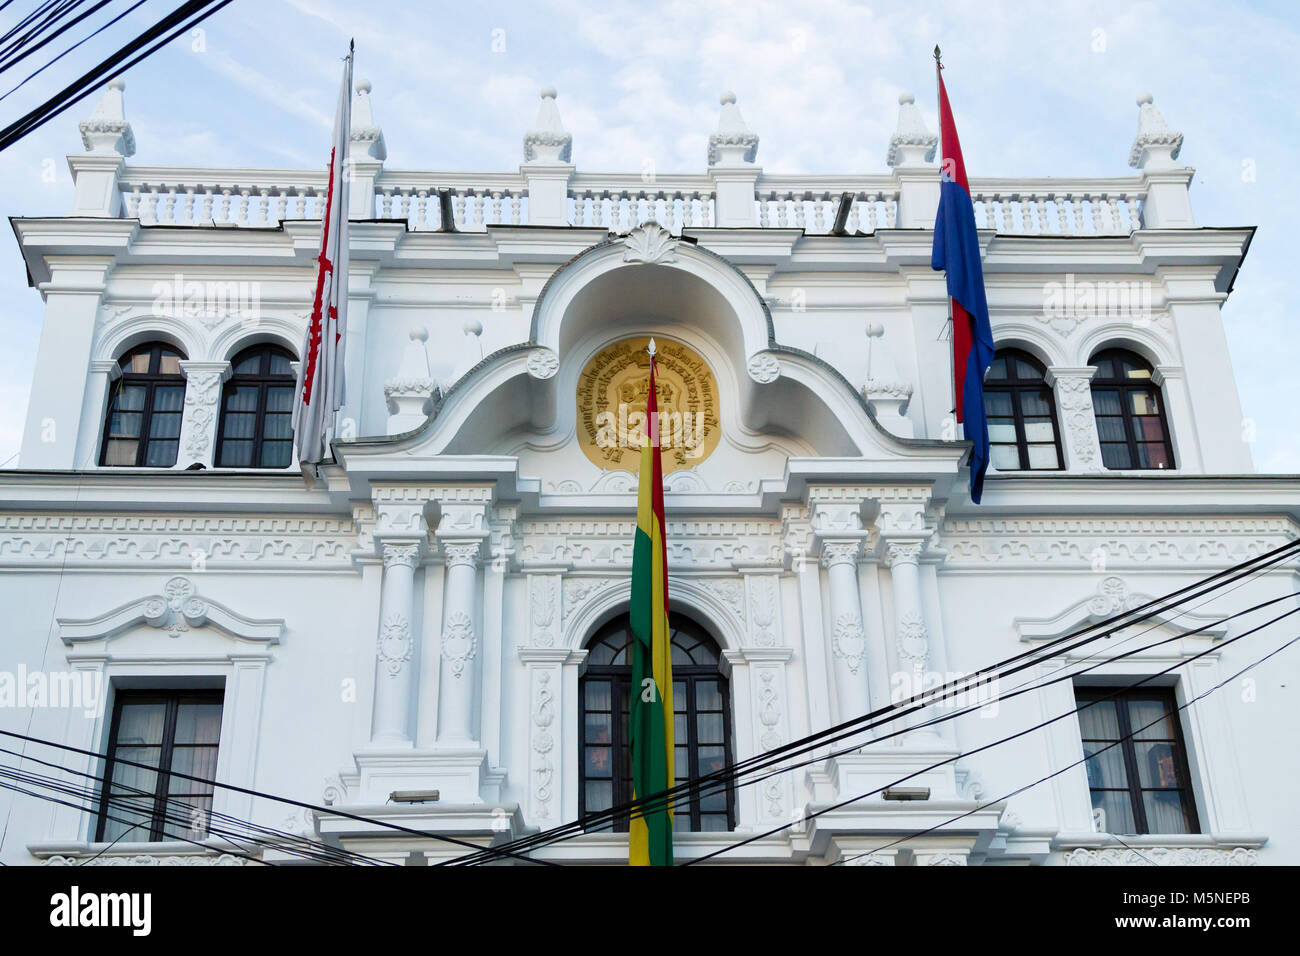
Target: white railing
477,201
252,198
1059,208
619,202
231,197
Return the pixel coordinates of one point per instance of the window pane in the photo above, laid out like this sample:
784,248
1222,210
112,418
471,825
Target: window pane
1044,457
1144,403
193,761
130,780
280,365
1035,404
276,454
1117,811
279,399
1027,371
165,425
597,762
250,364
1149,429
598,695
599,795
236,454
708,695
1152,455
141,723
198,723
242,398
161,453
709,728
1105,767
1156,764
1040,430
712,759
1153,712
1165,812
120,452
1115,456
998,403
1110,429
169,363
1004,457
125,814
1002,430
597,729
278,428
137,363
1098,721
168,398
998,370
1106,402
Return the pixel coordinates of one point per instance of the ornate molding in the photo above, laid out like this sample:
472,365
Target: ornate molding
849,643
461,553
176,610
747,141
543,363
458,642
395,644
400,555
902,552
650,243
543,742
147,859
545,599
764,368
1163,856
840,552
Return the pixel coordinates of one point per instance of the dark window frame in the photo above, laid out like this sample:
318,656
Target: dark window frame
161,798
619,677
1085,694
1127,387
150,381
1015,386
263,380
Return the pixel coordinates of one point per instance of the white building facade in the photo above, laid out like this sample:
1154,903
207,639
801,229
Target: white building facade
441,609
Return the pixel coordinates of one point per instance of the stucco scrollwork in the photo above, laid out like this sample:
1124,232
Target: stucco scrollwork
458,642
849,643
395,643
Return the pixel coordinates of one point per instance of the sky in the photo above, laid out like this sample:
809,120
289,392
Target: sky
1038,91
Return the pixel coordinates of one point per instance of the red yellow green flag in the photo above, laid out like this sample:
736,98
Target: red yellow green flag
650,731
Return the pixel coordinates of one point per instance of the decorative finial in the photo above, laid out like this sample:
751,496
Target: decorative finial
912,144
419,334
651,347
733,144
473,327
548,141
363,85
1155,146
1145,98
366,138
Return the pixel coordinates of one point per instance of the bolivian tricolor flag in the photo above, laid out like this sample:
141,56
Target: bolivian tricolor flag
650,731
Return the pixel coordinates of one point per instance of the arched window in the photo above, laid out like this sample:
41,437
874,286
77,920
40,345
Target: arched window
256,408
701,707
143,424
1021,415
1130,413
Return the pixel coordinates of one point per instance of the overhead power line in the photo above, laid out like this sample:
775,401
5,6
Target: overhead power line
35,73
183,18
723,778
1010,737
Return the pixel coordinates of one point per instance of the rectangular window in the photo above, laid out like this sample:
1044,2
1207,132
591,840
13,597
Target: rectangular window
155,737
1136,761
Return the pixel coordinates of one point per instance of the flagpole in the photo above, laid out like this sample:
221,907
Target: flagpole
952,318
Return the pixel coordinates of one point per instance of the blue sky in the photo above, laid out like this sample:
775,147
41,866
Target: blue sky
1036,92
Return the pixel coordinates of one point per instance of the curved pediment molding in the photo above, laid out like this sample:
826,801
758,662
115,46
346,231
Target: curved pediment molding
1113,597
176,610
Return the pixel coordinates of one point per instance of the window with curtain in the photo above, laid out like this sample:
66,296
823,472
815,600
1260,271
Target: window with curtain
1130,412
256,410
702,724
1021,414
1140,784
143,424
167,734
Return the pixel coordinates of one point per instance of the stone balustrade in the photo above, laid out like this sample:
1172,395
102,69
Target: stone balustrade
547,189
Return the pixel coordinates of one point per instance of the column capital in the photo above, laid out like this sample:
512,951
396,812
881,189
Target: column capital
841,551
902,550
461,552
401,552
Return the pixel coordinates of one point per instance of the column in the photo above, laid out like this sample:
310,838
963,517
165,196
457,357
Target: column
848,639
911,636
457,673
394,668
1183,434
103,373
1072,388
203,382
54,409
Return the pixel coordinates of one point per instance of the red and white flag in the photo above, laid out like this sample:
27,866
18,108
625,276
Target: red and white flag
319,393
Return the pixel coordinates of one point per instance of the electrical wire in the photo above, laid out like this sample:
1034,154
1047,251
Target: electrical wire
1056,773
177,22
914,704
980,749
87,38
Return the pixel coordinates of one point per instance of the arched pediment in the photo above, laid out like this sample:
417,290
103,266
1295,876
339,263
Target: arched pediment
176,610
1113,597
649,283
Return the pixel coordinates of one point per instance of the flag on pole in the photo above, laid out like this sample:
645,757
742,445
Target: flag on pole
957,250
319,392
650,731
